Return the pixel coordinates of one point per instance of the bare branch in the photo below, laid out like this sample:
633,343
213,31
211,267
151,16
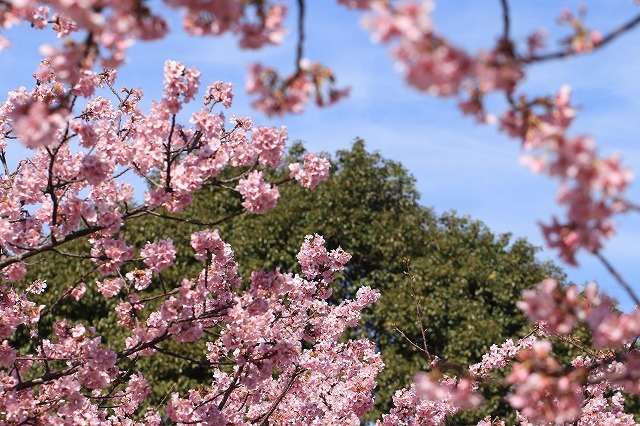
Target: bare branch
409,340
412,280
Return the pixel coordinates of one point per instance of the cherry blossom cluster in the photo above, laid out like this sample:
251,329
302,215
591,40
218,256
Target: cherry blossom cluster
539,394
589,393
114,25
432,64
258,23
546,391
591,187
317,262
430,402
582,39
277,95
43,200
71,188
258,195
280,334
543,391
500,356
98,32
314,170
327,382
160,255
561,308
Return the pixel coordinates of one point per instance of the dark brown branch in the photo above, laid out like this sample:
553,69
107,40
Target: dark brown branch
568,52
506,20
618,277
3,159
120,379
207,364
44,379
300,45
278,400
167,184
149,344
232,386
197,222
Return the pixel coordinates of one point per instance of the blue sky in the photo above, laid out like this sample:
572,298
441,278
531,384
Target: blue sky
458,165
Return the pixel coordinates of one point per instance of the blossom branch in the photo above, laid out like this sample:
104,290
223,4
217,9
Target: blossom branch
47,377
624,28
33,251
265,417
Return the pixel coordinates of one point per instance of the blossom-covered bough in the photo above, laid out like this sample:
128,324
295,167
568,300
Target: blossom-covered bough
273,342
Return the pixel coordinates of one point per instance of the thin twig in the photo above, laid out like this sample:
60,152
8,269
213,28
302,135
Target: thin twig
418,313
74,255
618,277
409,340
197,222
568,52
186,358
573,342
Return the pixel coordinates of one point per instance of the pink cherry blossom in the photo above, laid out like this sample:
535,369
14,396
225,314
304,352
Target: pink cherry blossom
160,255
314,171
257,194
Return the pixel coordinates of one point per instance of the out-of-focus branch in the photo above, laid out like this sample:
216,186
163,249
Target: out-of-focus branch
618,277
506,20
300,45
568,52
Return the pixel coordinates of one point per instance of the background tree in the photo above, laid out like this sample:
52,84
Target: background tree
464,278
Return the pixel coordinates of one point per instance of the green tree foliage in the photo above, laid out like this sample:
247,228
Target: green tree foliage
465,279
